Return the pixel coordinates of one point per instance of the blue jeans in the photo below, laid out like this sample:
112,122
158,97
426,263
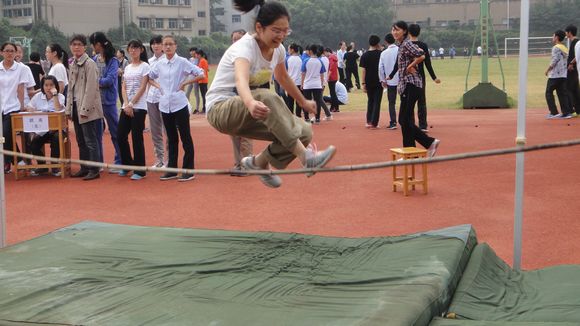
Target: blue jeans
112,117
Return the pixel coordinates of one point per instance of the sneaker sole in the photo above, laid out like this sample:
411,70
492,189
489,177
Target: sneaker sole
167,178
185,180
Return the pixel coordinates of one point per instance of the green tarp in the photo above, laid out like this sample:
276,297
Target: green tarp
491,291
456,322
103,274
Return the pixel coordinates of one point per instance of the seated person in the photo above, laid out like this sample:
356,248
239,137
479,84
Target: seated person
48,100
341,94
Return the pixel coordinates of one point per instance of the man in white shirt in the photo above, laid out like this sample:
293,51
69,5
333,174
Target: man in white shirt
171,73
386,65
340,55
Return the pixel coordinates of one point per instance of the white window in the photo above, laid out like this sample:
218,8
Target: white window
172,2
143,2
27,12
201,14
236,18
201,32
7,13
186,23
144,23
173,23
158,23
7,3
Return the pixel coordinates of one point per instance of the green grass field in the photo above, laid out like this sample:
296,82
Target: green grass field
452,73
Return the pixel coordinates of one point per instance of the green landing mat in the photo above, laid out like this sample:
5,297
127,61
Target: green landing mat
456,322
491,291
105,274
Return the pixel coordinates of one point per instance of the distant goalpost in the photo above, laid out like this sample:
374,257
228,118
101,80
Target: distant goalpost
536,45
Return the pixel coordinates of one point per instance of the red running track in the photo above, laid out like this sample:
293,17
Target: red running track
346,204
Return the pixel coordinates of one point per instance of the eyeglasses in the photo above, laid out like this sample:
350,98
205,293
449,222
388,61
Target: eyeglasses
284,32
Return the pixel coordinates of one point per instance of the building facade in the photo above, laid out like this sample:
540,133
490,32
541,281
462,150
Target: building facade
228,19
189,18
442,13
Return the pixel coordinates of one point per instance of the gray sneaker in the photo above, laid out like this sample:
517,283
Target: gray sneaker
272,181
316,159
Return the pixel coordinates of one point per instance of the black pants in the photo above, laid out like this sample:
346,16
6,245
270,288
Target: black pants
374,97
291,103
120,89
178,122
422,108
392,97
37,144
559,85
573,90
333,98
316,95
349,73
135,126
7,133
341,76
411,132
87,140
203,91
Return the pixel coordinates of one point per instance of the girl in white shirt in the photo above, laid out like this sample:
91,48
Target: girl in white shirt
313,72
237,107
59,60
48,100
134,110
13,83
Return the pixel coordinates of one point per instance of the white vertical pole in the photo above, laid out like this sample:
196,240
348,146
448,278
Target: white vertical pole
521,132
2,192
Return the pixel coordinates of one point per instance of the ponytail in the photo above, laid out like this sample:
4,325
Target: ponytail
247,5
269,11
60,53
108,49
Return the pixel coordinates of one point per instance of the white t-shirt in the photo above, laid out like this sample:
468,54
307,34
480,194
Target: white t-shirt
133,76
341,92
577,49
39,102
153,93
59,72
340,57
326,64
295,69
9,81
312,69
223,86
387,63
29,82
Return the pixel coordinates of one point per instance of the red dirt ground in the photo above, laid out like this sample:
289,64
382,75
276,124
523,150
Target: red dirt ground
347,204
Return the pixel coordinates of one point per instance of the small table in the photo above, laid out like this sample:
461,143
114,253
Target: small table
35,121
409,153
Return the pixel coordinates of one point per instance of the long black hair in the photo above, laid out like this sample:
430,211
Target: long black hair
60,53
269,11
109,50
402,25
139,44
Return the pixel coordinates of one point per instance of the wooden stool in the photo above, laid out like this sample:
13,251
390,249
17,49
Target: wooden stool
408,153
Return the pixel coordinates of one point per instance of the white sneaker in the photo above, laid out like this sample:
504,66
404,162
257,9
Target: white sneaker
433,148
272,181
158,165
315,159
